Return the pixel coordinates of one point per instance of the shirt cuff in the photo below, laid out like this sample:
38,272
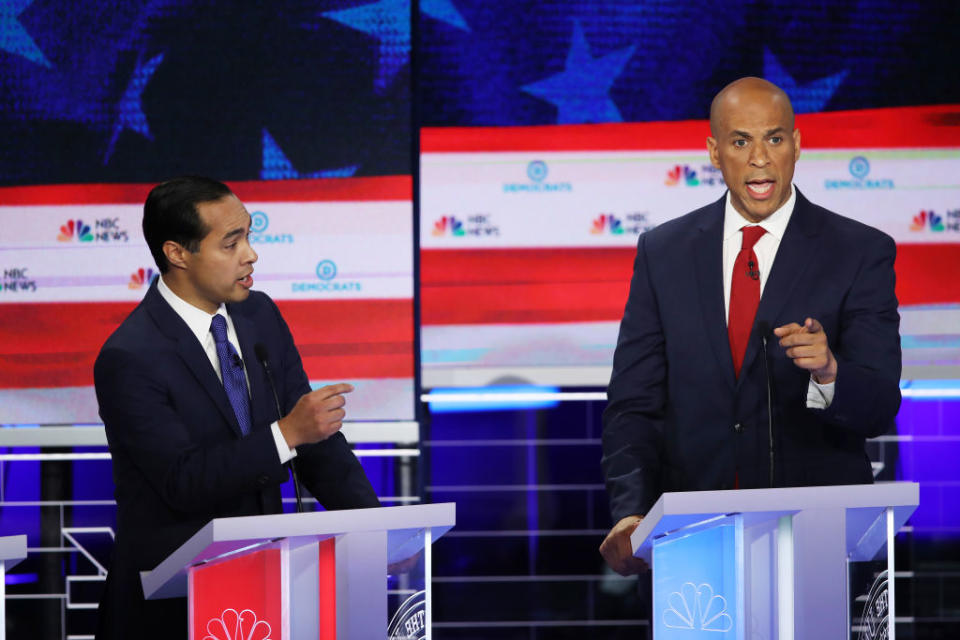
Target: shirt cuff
285,452
819,396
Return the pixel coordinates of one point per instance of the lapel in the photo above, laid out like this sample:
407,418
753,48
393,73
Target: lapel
798,248
188,348
261,398
708,253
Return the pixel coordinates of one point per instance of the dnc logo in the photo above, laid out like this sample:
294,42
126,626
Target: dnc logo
537,170
326,269
925,218
75,229
607,222
448,225
140,277
259,221
859,170
688,175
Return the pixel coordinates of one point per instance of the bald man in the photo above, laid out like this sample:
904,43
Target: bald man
761,284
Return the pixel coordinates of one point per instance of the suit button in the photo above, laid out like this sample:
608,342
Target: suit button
738,428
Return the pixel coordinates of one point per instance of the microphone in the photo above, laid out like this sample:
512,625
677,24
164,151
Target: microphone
752,270
263,358
763,329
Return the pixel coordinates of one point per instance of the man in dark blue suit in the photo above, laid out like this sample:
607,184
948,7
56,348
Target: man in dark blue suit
688,403
190,418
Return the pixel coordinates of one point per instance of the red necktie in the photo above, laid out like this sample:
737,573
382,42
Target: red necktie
744,295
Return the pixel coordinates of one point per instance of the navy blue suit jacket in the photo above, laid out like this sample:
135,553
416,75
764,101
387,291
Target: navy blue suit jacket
678,419
178,456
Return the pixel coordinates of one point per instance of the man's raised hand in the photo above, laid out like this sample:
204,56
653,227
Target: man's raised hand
316,416
807,346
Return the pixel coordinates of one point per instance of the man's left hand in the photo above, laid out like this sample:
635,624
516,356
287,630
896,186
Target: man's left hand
807,346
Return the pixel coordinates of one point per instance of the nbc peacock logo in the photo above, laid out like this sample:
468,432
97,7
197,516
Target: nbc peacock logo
607,222
927,219
685,173
697,608
448,225
75,229
231,625
140,277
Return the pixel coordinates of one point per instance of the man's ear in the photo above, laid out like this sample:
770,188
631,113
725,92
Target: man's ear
712,149
176,254
796,144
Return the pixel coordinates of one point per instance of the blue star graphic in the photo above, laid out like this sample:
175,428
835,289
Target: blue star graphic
130,110
389,22
13,37
444,11
276,166
581,92
809,98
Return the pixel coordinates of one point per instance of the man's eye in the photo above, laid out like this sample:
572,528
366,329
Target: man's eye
776,139
740,143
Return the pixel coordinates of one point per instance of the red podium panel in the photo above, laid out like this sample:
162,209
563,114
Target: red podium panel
239,598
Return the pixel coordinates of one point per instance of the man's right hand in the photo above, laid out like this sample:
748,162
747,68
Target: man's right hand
617,551
317,415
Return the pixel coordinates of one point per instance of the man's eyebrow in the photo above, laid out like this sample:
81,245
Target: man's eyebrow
741,134
235,232
773,131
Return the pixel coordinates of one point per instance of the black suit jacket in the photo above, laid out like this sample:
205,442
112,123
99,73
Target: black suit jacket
178,456
678,419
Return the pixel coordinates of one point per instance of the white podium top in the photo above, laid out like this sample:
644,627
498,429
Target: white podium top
864,504
405,527
13,549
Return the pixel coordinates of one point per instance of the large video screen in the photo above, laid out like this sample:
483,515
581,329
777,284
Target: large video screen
336,256
295,105
528,234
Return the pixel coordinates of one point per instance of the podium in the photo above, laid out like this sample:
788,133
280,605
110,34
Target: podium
13,549
300,575
771,563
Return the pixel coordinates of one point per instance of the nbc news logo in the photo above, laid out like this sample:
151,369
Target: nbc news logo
929,220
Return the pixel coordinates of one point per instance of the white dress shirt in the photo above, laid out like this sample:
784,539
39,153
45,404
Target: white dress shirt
198,321
819,396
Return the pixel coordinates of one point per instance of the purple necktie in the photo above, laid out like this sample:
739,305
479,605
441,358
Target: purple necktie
231,367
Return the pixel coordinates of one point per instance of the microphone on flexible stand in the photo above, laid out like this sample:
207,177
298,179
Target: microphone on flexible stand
261,352
763,329
752,270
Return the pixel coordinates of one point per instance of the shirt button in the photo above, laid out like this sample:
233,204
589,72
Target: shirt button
738,428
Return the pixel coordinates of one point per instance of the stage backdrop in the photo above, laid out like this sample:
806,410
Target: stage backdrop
292,103
336,255
528,234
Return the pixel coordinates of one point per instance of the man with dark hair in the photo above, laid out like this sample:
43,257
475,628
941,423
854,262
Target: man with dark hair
190,418
688,405
170,213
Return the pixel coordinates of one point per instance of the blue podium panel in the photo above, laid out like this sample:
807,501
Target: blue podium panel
698,584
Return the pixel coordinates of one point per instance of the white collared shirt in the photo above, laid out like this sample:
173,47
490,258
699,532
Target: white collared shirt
819,396
198,321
